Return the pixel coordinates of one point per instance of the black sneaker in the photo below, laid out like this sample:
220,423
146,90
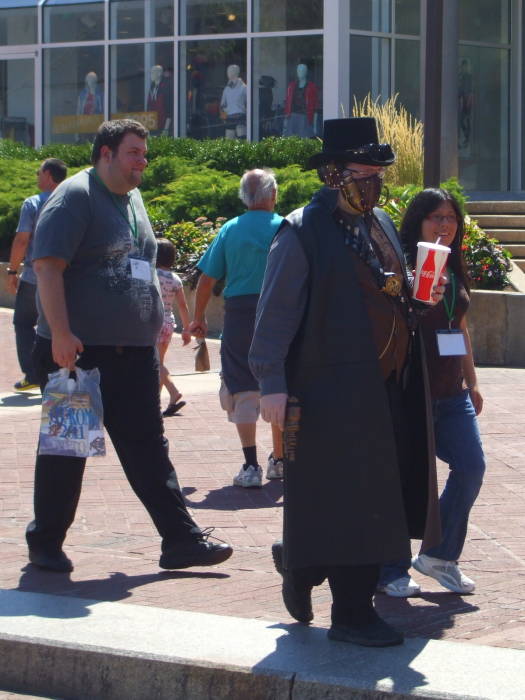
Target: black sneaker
51,561
25,385
199,552
374,633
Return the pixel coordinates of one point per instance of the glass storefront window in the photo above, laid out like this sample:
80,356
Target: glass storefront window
407,17
67,20
369,68
483,143
17,24
130,19
212,16
213,92
73,93
142,85
287,89
484,20
286,15
17,102
407,74
370,15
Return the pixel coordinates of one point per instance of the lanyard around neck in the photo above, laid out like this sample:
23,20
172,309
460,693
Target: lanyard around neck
450,309
122,210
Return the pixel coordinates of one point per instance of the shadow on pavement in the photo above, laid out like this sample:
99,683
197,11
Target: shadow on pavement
21,400
309,650
116,587
424,620
237,498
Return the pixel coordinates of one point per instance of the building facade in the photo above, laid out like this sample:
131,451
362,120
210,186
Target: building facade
255,68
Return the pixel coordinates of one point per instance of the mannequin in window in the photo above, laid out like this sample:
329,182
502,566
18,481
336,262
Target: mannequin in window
160,99
233,104
300,105
266,111
90,99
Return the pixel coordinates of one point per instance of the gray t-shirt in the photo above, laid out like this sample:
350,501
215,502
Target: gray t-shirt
84,224
27,222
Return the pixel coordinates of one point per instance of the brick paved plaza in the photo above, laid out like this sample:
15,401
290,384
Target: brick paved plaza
115,548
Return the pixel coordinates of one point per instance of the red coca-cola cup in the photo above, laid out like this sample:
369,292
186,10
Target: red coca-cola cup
430,264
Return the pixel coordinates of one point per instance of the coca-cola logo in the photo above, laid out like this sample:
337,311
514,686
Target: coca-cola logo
429,274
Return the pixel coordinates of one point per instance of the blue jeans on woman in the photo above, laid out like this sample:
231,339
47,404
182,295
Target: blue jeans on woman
458,443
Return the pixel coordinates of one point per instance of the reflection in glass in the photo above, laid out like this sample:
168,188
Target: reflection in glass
131,19
17,100
73,22
142,85
212,16
17,26
286,15
484,20
407,76
407,16
369,67
73,93
483,142
127,19
370,15
213,91
287,86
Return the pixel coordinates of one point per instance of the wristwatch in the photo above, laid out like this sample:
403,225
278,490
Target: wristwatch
10,271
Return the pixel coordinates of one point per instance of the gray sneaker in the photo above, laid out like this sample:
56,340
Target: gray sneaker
446,572
249,478
275,468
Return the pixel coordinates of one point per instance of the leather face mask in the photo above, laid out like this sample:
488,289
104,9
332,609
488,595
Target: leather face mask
361,194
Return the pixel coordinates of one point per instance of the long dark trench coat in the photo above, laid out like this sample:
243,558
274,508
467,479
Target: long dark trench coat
343,502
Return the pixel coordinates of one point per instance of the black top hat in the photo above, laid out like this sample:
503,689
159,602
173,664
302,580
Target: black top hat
352,140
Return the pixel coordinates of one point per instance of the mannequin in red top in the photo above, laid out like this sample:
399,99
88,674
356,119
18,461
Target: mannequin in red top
300,105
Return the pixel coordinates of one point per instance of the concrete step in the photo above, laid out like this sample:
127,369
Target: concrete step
520,263
511,207
517,250
506,235
76,648
501,220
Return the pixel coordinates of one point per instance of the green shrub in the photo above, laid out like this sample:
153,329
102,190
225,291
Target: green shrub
207,193
74,155
191,239
296,187
163,170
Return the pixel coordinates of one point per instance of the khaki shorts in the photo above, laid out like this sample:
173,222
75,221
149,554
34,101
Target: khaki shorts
242,407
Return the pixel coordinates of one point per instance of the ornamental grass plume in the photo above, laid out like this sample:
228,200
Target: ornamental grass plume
402,131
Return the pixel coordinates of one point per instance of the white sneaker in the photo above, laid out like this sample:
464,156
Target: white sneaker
275,468
446,572
402,587
249,478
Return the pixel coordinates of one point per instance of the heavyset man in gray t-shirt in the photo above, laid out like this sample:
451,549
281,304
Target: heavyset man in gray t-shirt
100,306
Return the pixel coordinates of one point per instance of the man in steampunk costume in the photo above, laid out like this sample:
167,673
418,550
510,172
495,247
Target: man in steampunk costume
335,341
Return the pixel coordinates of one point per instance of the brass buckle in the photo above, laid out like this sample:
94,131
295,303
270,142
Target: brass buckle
393,284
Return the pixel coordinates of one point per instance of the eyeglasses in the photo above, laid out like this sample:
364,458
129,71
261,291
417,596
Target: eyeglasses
447,219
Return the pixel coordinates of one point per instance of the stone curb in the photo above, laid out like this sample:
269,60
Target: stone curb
75,648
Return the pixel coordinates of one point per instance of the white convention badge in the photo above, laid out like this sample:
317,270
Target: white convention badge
451,342
140,269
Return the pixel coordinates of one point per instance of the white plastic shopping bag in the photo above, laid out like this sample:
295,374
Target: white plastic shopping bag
72,417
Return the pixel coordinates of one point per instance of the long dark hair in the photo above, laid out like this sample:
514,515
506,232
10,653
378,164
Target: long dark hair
422,206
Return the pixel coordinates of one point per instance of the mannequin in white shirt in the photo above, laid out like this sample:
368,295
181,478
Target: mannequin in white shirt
233,104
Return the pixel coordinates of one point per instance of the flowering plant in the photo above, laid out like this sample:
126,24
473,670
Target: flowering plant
488,263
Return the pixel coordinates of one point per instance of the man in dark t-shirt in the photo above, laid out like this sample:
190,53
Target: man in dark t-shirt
100,306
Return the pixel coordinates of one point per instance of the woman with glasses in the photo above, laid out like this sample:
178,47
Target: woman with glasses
456,400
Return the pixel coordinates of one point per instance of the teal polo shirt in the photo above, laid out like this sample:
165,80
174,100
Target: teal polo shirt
238,253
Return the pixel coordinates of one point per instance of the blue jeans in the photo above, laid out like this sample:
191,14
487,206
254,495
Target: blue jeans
24,321
458,443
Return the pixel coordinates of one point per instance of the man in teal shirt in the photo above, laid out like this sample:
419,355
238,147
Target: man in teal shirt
238,255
